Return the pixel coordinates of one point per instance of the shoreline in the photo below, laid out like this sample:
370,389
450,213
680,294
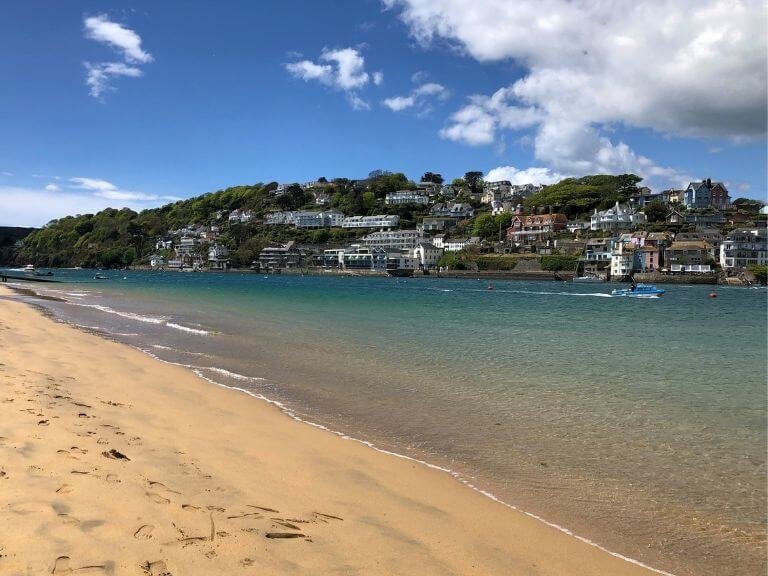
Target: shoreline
509,512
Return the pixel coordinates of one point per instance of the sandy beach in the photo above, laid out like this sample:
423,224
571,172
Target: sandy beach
112,462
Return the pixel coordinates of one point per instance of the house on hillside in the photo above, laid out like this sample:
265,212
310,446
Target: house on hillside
393,239
535,227
743,247
616,218
378,221
406,197
702,194
452,209
218,257
687,252
427,255
279,257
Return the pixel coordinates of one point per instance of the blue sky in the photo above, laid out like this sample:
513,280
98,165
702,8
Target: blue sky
189,97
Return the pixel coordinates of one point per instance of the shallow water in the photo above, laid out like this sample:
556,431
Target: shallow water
640,424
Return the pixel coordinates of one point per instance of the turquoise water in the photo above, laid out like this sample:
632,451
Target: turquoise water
640,424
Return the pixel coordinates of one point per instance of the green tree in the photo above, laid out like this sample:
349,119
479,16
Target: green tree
474,181
432,177
656,212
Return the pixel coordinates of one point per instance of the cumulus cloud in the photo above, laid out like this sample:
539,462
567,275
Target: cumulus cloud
532,175
52,187
124,41
420,98
686,68
342,69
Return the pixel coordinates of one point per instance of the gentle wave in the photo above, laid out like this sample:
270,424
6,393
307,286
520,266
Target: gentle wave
233,375
187,329
130,315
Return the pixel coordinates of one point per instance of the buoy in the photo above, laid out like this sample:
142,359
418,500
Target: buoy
712,295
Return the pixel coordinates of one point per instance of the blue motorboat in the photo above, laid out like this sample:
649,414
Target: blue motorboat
639,291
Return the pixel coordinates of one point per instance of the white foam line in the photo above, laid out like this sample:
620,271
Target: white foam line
132,316
187,329
197,370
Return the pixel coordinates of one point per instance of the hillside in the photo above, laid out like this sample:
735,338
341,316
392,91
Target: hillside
580,196
9,235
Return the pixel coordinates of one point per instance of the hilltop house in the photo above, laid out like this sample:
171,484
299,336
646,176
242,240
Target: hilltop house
705,194
616,218
495,191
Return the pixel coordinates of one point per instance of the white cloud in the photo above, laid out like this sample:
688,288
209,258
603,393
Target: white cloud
108,190
343,69
532,175
308,70
686,68
52,187
6,173
35,207
421,97
100,75
125,40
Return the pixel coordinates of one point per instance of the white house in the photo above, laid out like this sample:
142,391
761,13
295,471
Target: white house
456,244
427,255
743,247
156,261
380,221
393,239
358,257
616,218
163,244
622,260
218,257
406,197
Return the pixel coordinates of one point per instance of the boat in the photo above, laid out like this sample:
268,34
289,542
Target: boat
639,291
588,279
100,277
29,269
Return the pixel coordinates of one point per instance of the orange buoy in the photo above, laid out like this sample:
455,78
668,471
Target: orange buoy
712,295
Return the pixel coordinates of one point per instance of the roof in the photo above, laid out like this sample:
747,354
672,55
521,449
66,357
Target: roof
690,245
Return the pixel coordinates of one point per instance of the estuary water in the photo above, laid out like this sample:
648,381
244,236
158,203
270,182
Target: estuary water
638,424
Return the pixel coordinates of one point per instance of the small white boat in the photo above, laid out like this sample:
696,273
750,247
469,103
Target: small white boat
29,268
100,277
587,279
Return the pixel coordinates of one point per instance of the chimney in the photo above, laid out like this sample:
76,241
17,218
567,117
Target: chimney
709,183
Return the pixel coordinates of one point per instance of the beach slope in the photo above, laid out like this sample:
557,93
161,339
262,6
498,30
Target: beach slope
112,462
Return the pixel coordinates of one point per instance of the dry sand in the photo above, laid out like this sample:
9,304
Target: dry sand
114,463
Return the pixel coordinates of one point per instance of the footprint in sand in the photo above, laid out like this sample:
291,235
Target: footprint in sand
61,566
157,568
160,493
144,532
112,478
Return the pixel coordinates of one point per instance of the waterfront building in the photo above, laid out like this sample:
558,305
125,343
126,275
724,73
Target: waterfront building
535,227
711,236
616,218
622,260
684,252
406,197
379,221
705,194
427,255
218,257
332,257
358,257
393,239
278,257
743,247
156,261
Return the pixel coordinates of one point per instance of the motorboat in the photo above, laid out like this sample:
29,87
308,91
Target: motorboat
639,291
